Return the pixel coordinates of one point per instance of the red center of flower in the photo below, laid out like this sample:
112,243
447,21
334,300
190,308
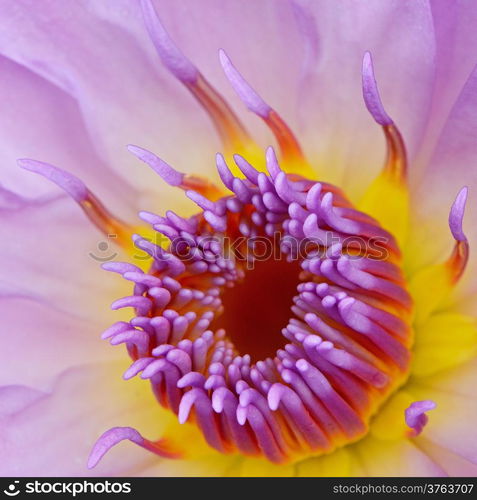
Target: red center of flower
258,308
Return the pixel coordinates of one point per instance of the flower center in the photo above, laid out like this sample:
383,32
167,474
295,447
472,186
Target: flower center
277,319
257,309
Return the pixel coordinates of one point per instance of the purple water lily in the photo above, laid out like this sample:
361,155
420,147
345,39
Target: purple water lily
289,305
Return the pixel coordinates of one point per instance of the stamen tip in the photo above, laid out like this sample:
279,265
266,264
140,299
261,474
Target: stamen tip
272,162
415,415
66,181
371,92
165,171
270,154
109,439
246,93
456,215
170,54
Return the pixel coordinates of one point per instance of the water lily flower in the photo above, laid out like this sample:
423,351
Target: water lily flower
297,295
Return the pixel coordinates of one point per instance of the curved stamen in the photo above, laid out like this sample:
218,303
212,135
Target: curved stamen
172,57
460,254
371,95
92,207
396,163
416,417
446,274
230,129
289,147
117,434
173,177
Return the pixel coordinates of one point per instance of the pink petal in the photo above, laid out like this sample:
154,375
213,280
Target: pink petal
395,459
456,45
54,297
449,145
455,147
14,398
52,253
124,93
335,123
41,121
53,434
454,465
39,341
448,155
452,424
261,38
213,465
451,166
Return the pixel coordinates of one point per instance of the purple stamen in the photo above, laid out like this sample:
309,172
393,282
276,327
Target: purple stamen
171,56
416,417
371,93
120,326
248,170
456,215
117,434
272,163
224,172
68,182
138,365
120,267
201,201
246,93
109,439
164,170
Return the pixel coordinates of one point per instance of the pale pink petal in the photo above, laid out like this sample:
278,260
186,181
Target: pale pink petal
456,45
454,465
51,434
453,164
38,341
395,459
270,42
14,398
263,40
51,251
54,297
39,120
122,90
340,135
451,423
207,466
